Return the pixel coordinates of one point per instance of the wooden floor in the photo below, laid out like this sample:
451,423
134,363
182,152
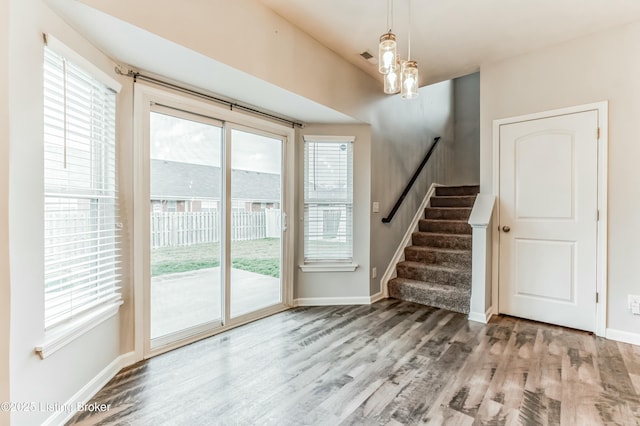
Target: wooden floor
392,363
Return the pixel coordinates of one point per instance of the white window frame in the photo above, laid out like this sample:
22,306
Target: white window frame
62,332
329,264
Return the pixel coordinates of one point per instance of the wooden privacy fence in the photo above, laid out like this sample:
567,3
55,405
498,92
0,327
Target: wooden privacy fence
169,229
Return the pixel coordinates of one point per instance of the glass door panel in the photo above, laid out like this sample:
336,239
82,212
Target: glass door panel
256,217
185,223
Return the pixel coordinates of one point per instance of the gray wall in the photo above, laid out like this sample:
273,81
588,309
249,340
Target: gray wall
451,110
466,147
397,150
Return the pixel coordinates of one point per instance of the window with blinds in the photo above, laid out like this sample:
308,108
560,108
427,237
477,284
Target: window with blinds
328,199
81,227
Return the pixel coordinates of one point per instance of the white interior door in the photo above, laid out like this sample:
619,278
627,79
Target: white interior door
548,219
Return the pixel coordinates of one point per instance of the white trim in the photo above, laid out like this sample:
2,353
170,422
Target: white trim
480,220
68,53
603,148
390,272
328,267
603,238
333,301
62,335
480,317
482,211
377,297
87,392
479,258
328,138
623,336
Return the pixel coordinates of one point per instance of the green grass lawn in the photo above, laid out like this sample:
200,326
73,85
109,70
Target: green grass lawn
259,256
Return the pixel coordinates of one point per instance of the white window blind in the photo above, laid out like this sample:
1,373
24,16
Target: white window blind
80,200
328,200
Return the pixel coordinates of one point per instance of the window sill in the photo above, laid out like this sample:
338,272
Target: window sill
65,334
328,267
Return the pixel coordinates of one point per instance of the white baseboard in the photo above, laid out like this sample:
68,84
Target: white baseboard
623,336
398,256
90,389
377,297
331,301
481,317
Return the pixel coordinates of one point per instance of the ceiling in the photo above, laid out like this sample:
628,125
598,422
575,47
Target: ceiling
145,51
451,38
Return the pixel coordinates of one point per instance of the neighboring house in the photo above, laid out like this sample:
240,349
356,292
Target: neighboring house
186,187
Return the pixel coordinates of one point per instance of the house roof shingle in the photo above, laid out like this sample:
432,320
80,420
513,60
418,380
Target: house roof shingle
175,180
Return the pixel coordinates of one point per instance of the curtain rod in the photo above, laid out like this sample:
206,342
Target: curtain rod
138,76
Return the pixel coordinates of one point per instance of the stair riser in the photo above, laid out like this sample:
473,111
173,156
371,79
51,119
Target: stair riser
457,190
442,241
466,201
462,259
460,303
444,227
453,278
447,214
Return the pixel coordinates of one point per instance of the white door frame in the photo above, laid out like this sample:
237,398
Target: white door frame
601,250
144,96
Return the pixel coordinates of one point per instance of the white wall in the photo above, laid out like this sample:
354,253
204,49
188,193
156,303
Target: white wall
5,291
250,37
337,284
58,377
604,66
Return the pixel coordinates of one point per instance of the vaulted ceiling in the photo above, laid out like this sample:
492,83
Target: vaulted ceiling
451,38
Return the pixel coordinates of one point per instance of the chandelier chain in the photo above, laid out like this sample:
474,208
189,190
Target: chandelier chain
409,38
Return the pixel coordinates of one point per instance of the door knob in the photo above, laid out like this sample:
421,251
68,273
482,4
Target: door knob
506,228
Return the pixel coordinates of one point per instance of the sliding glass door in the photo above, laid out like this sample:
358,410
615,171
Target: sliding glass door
215,225
185,223
256,217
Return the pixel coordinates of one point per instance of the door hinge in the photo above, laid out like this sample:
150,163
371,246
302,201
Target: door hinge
598,133
598,215
597,297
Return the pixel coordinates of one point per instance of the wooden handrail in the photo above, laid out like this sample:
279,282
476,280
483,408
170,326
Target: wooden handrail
411,182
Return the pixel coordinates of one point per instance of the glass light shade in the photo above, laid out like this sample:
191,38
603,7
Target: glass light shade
392,81
409,80
387,53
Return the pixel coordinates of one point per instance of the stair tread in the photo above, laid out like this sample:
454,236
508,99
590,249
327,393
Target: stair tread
453,196
466,236
433,266
446,220
439,249
432,285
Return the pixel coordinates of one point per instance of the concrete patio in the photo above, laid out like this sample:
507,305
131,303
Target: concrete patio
186,299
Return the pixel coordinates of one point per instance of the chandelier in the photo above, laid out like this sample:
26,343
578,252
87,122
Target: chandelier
399,75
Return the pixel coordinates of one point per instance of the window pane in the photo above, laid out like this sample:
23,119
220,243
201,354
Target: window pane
328,194
186,187
81,221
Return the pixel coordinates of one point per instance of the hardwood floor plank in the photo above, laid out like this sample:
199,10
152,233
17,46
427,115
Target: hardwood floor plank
393,363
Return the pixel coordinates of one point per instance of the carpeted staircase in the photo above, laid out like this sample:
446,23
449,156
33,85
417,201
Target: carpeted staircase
437,267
